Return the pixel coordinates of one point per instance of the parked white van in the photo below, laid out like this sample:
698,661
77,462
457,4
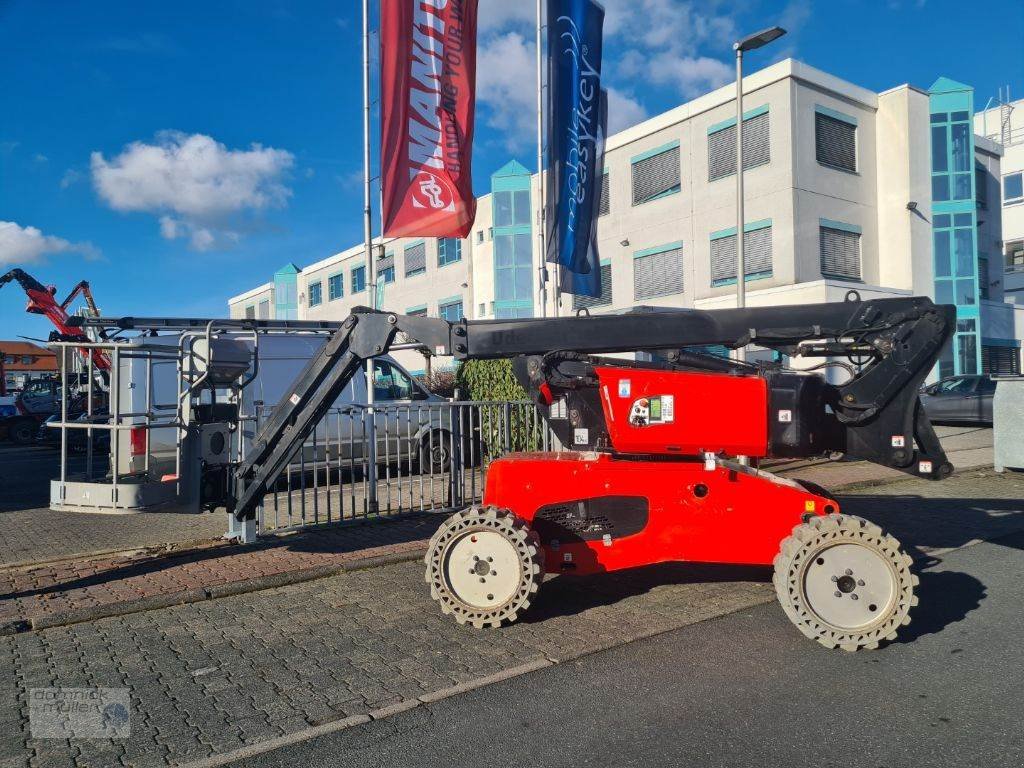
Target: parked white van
410,421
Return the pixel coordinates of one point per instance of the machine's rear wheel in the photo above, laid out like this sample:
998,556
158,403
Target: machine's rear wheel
484,566
844,582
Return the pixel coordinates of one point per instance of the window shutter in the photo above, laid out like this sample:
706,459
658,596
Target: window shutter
658,274
604,206
585,302
757,252
722,147
836,142
1000,361
415,259
385,263
840,254
655,175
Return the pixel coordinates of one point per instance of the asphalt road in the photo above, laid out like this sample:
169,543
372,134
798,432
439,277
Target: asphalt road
745,689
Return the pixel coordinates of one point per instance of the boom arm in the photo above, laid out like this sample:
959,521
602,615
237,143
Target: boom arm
41,301
900,338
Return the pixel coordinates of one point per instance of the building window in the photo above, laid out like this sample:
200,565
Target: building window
449,251
420,311
1000,360
604,300
513,268
757,254
954,253
250,314
658,271
315,294
835,140
359,279
604,205
415,259
450,310
840,252
483,310
512,208
335,287
479,236
263,310
26,359
981,186
1013,188
952,161
386,269
1015,256
722,146
655,174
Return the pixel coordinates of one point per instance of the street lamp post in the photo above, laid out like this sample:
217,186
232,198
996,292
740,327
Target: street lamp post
750,43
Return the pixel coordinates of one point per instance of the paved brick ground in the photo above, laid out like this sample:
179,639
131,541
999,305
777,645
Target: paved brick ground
73,585
212,676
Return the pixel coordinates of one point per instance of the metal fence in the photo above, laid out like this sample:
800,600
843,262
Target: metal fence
429,456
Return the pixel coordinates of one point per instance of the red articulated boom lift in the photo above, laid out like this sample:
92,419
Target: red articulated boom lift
656,471
42,301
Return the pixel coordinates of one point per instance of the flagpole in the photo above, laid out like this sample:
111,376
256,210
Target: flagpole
543,269
371,445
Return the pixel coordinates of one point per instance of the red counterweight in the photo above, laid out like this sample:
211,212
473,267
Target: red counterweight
684,413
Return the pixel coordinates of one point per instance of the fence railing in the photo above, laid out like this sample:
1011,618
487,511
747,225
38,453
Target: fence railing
430,455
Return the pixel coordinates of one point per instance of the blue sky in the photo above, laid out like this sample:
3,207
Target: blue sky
177,154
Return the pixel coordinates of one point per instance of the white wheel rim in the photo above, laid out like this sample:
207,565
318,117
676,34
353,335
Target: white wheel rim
849,586
482,569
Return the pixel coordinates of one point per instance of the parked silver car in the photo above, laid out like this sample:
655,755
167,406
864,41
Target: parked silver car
960,400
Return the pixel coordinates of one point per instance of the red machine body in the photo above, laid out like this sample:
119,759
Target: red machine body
668,412
594,512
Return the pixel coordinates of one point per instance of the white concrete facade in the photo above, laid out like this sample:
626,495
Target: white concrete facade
880,205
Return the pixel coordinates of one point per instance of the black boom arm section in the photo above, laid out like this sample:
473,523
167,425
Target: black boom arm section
895,341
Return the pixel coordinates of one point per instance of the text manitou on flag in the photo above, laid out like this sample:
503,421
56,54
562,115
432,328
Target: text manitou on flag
428,80
577,125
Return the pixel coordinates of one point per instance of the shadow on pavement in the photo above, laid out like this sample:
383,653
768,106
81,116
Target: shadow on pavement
944,598
567,595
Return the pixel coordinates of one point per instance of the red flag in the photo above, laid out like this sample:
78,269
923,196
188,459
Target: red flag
428,84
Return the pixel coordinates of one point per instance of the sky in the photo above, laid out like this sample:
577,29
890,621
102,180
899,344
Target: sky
177,154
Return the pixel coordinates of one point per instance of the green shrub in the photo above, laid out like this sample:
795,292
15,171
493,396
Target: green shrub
488,380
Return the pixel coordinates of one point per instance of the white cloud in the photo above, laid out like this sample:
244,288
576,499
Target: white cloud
25,245
70,178
197,185
623,111
497,15
506,83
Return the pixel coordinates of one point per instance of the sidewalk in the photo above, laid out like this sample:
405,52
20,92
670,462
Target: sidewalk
214,680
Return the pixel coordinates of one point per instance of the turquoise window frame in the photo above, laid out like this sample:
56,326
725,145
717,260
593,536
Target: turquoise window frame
451,301
522,307
340,278
443,243
750,226
415,309
748,115
657,249
835,114
318,288
678,188
358,286
952,104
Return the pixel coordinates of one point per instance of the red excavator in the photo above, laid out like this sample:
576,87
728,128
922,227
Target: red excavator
22,427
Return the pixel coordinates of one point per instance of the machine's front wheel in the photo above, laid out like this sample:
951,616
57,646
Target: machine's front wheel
844,582
484,565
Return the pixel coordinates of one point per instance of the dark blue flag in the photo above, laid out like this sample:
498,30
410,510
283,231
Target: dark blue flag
578,116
